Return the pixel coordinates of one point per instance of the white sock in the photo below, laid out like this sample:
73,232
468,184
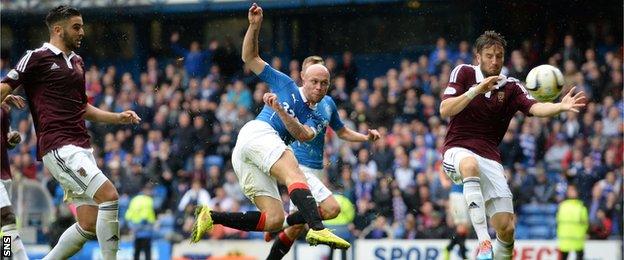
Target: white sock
503,250
476,207
19,253
107,229
70,243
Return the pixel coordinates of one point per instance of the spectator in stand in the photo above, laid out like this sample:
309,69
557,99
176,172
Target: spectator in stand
378,229
569,50
518,67
349,69
196,196
195,59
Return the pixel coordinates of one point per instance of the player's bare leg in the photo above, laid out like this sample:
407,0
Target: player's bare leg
469,169
107,222
504,223
9,228
329,209
74,237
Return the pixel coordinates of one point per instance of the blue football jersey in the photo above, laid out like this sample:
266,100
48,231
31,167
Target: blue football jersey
310,154
290,98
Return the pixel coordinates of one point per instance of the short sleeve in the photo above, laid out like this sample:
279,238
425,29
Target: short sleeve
334,121
20,74
274,78
457,82
523,99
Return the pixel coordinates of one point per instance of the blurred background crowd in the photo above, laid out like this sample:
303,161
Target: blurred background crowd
195,95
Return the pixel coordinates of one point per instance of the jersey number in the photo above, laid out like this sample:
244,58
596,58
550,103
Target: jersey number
288,109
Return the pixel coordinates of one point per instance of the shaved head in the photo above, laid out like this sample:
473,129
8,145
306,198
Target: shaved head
316,82
317,69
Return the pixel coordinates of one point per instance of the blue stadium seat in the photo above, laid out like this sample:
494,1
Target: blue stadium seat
540,232
166,225
522,232
550,209
530,209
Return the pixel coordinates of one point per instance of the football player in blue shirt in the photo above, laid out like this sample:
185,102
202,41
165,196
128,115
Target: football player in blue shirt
261,157
310,157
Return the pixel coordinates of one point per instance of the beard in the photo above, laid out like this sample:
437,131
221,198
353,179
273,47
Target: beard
69,42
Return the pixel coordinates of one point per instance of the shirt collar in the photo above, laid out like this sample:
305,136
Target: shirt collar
479,77
305,100
56,50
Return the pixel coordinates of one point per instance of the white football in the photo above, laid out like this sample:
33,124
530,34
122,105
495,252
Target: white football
545,82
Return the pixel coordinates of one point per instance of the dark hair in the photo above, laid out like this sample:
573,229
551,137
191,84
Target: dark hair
60,13
489,38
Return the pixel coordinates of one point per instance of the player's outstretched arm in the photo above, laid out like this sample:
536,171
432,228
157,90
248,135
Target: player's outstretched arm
452,106
352,136
250,53
570,102
299,131
95,114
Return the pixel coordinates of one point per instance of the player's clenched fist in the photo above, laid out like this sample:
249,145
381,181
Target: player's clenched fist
255,14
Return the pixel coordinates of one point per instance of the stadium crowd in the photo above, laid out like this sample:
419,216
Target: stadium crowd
194,101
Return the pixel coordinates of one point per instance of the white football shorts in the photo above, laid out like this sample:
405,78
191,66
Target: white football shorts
257,148
494,187
76,170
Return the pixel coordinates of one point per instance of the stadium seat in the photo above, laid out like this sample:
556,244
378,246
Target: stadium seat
530,209
522,232
550,209
540,232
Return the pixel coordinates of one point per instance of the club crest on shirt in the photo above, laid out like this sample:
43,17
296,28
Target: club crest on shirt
82,172
501,96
